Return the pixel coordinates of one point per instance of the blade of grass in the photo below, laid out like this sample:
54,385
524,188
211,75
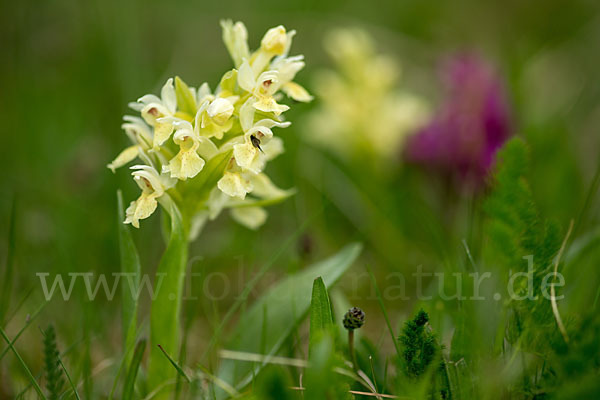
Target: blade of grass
9,267
253,281
27,371
166,306
14,312
123,362
27,323
384,311
175,365
130,264
288,304
595,184
69,379
63,354
134,367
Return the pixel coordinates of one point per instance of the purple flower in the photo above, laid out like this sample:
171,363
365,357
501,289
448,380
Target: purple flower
472,124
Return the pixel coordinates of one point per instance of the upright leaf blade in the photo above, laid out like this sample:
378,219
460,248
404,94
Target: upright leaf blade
132,372
286,305
130,265
166,306
9,266
321,319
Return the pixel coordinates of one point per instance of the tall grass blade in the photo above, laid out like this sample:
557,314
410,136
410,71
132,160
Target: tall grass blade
30,319
288,303
166,306
134,366
384,311
27,371
174,364
9,266
130,265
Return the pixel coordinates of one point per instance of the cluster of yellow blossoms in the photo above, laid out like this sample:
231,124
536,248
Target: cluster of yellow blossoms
362,112
206,150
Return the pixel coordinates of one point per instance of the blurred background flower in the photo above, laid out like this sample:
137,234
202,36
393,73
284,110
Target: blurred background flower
363,114
471,125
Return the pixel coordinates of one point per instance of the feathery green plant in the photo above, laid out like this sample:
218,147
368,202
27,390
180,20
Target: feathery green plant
419,346
517,231
54,378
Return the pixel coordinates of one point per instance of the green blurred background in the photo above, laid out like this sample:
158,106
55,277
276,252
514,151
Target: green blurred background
69,69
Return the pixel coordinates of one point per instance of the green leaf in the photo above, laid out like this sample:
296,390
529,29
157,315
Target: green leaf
321,319
9,266
179,370
201,186
384,311
166,305
185,98
36,386
130,265
132,372
286,305
321,379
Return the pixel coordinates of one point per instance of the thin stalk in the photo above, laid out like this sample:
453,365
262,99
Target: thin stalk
351,349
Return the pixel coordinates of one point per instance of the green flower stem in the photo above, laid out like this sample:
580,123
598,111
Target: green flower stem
166,305
351,349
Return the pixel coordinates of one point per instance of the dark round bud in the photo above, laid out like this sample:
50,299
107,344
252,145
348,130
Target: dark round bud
354,318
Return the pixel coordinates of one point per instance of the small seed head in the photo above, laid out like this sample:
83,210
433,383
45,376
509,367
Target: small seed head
354,318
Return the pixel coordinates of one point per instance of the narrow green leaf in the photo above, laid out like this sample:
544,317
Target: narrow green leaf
27,370
132,372
174,364
69,379
385,314
31,318
321,319
130,265
185,98
287,305
9,266
166,306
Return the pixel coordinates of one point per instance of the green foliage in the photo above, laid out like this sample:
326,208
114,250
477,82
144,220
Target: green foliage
54,378
321,319
130,264
132,372
7,278
166,306
184,97
419,347
322,381
516,230
274,384
281,309
575,367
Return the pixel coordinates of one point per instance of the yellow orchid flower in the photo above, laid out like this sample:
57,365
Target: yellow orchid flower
186,131
253,153
215,116
235,184
263,88
159,112
153,186
187,163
